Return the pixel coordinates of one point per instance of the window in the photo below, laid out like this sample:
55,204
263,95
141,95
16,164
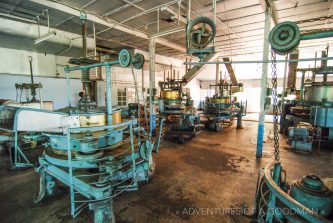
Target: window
125,95
121,97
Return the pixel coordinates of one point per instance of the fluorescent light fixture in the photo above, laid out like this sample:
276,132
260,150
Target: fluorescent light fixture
45,37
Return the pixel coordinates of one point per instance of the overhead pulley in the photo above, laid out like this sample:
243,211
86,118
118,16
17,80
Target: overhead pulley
126,59
285,37
200,32
138,61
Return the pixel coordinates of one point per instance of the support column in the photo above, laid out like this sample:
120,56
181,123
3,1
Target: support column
260,139
152,115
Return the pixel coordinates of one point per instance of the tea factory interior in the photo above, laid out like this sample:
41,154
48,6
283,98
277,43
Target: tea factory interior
166,111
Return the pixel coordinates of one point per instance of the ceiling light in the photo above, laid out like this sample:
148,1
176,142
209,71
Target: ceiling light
45,37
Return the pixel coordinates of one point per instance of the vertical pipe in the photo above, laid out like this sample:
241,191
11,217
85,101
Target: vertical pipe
95,50
68,87
151,82
164,76
84,37
189,11
214,16
260,138
217,76
108,95
302,86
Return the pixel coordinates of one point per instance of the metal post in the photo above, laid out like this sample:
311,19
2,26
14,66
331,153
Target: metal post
217,77
68,87
108,94
151,82
260,138
302,86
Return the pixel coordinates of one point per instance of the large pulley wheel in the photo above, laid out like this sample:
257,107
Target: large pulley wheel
285,37
124,58
138,61
201,32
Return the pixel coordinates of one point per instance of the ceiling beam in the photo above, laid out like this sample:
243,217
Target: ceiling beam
107,23
267,5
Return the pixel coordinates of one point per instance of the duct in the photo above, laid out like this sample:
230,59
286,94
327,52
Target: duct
30,31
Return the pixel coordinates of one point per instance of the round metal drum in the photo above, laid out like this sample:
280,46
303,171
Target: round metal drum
319,93
116,117
170,95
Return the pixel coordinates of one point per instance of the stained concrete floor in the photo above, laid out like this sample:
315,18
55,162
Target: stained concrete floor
206,180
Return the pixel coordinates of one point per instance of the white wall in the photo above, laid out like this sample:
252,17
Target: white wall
49,71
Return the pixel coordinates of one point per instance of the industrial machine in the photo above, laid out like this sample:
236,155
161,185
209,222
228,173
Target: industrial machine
310,199
90,149
176,105
223,107
10,138
307,118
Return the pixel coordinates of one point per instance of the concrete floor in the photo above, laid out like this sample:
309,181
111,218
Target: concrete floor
205,180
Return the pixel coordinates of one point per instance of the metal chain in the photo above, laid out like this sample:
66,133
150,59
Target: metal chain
275,107
323,18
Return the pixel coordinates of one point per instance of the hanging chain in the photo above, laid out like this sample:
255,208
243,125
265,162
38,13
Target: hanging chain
275,107
323,18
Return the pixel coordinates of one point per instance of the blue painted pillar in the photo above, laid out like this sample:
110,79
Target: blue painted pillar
261,125
152,116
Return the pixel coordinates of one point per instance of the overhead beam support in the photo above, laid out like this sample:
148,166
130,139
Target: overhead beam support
266,4
108,23
231,72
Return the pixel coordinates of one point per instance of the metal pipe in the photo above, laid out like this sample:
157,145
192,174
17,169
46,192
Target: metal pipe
302,85
84,34
259,61
108,95
217,77
189,11
214,16
317,35
68,88
82,67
